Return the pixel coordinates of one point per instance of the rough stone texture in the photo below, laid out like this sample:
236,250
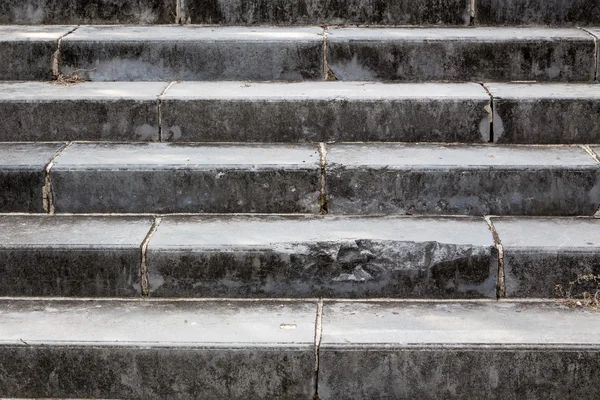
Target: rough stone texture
378,12
163,178
542,253
43,255
26,51
38,12
35,111
22,175
157,350
459,179
546,113
193,53
325,111
295,256
413,54
540,12
452,350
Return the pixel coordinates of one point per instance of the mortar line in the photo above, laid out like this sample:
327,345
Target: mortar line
472,13
47,192
159,108
323,209
491,138
501,286
56,55
144,283
596,39
318,336
178,7
325,66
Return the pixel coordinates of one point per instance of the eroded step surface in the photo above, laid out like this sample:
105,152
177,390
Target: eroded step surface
161,177
153,350
295,256
193,53
537,12
419,54
458,179
44,255
458,350
325,111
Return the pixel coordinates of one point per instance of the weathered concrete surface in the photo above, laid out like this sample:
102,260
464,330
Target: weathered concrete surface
325,111
40,111
42,255
22,175
295,256
193,53
557,113
38,12
596,33
540,254
460,179
157,350
458,350
313,12
540,12
26,51
163,178
417,54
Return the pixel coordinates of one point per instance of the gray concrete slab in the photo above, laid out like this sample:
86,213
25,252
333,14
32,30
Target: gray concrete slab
149,349
540,254
537,12
556,113
458,350
48,12
162,177
22,175
193,53
418,54
37,111
43,255
378,12
296,256
26,51
458,179
325,111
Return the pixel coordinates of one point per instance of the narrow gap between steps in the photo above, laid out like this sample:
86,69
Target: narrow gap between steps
159,109
491,111
325,65
47,191
595,52
56,56
500,287
318,335
472,13
145,284
323,209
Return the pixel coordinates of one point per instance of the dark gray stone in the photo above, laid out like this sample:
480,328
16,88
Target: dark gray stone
458,179
483,350
22,175
540,254
26,51
541,12
295,256
193,53
410,54
164,178
157,350
312,12
42,255
546,113
36,111
48,12
325,111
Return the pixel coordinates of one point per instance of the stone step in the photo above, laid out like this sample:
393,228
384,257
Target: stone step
149,53
238,111
297,349
269,256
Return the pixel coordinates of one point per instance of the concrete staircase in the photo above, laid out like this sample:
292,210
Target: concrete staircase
314,199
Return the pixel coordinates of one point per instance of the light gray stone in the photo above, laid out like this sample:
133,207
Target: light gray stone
36,111
430,350
295,256
193,53
420,54
157,350
540,254
325,111
459,179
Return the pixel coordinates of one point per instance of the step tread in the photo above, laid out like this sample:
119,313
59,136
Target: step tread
39,33
27,156
82,91
533,91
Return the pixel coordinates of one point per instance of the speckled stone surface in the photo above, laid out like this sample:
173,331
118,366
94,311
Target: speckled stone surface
538,12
